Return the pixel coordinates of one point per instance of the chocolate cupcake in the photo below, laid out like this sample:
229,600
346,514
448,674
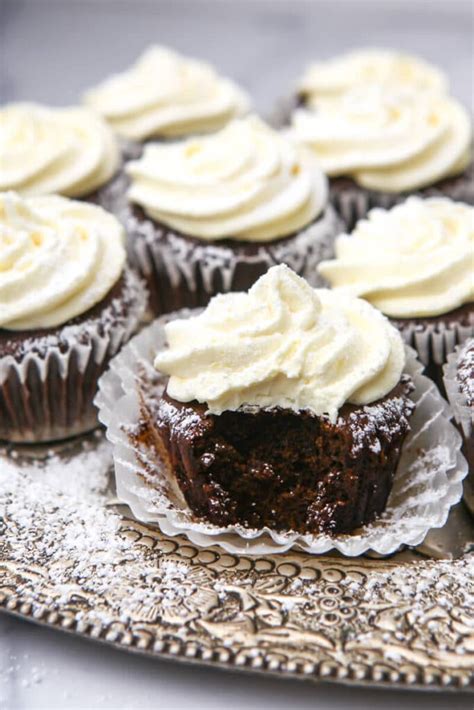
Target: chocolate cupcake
336,76
459,386
286,407
413,262
383,128
66,151
165,95
67,304
209,215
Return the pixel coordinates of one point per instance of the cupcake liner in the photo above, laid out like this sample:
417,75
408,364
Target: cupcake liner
181,272
427,483
353,202
48,395
462,412
463,416
434,343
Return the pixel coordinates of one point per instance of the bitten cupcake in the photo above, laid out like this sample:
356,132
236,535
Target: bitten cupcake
458,379
212,214
67,304
166,95
286,408
67,151
382,140
415,264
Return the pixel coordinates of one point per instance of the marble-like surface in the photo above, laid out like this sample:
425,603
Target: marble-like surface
50,50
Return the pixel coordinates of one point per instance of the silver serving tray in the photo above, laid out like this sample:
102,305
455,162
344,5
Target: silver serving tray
405,622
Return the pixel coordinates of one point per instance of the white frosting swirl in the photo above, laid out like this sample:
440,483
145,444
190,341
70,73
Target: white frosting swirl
414,260
367,66
58,258
282,344
55,150
386,138
246,182
165,94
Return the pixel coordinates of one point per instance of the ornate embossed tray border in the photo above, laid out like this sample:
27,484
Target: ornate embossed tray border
404,623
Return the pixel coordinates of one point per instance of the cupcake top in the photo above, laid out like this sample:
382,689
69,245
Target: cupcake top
386,137
165,94
282,344
339,74
414,260
54,150
246,182
58,259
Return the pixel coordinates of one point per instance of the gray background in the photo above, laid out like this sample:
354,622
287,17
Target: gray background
50,50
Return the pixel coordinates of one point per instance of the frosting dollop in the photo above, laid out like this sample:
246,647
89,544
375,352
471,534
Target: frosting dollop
414,260
282,344
58,258
362,66
245,182
55,150
386,137
165,94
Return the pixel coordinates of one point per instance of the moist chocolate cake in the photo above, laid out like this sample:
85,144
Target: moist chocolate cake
283,469
61,367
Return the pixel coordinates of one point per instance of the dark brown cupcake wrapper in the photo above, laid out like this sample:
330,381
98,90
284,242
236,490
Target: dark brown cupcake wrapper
434,343
353,202
49,396
181,272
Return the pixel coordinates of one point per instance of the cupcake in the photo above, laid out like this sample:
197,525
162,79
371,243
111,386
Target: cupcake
380,140
67,151
414,263
337,75
166,95
212,214
459,385
285,407
67,304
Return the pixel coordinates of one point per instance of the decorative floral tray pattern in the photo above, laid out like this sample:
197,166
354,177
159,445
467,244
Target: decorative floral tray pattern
70,558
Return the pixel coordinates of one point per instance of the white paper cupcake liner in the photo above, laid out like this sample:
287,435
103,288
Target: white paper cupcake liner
462,413
434,342
427,483
49,395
